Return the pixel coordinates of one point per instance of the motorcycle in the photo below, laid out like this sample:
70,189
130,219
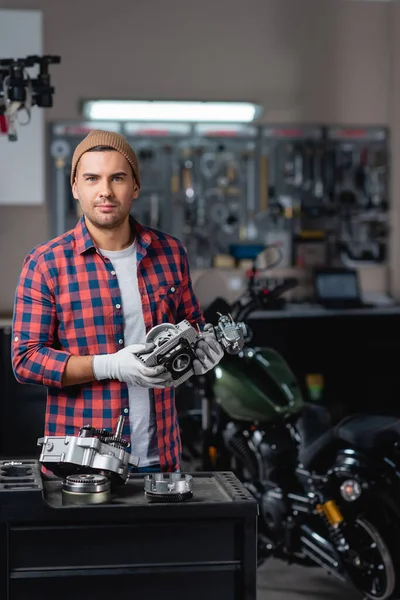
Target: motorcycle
328,494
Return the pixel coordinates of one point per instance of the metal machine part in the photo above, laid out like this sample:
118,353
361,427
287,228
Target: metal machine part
174,349
168,487
86,489
229,334
92,451
175,345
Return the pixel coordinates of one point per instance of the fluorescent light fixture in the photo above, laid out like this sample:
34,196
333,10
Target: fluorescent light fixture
167,111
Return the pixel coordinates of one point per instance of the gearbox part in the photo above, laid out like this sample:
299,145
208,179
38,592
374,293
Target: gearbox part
174,349
70,455
103,434
89,431
181,362
117,442
86,488
168,497
168,487
175,345
161,334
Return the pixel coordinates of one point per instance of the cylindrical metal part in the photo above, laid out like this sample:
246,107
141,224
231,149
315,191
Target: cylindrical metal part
168,484
120,426
331,511
86,489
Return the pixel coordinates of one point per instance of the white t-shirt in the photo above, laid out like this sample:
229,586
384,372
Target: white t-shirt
141,405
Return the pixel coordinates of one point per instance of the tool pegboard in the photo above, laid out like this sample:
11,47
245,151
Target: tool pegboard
326,192
359,164
293,187
198,181
319,192
217,182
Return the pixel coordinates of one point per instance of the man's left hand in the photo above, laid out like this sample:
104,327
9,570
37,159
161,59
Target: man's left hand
208,351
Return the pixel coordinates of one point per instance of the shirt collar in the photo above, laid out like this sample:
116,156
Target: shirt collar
143,236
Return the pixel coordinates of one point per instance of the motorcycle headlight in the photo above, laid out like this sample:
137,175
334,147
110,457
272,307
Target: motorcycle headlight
351,490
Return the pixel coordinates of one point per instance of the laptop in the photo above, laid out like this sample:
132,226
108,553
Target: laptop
338,288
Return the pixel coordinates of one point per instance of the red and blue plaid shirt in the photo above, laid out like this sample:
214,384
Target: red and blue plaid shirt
68,302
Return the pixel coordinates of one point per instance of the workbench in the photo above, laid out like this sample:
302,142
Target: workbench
128,547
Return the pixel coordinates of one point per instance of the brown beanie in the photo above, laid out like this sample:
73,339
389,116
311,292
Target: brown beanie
97,137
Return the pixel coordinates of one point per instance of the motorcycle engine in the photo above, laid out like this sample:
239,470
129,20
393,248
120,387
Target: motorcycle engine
264,454
277,453
274,510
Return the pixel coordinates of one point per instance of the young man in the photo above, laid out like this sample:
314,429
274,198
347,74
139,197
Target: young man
85,301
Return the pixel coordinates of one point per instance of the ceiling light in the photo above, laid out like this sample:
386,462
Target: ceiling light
152,110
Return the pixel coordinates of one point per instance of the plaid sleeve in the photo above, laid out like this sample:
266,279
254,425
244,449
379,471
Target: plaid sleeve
189,307
34,330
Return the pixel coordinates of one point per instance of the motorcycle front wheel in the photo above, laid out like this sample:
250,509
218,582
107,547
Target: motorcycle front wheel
369,563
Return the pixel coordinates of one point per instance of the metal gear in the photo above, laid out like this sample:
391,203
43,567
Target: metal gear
87,479
87,431
117,442
88,488
103,435
182,497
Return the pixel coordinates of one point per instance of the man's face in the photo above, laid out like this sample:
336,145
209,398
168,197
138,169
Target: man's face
105,187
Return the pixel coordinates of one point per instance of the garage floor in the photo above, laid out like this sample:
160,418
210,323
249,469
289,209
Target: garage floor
278,581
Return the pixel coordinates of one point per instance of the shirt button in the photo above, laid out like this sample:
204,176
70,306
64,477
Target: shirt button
126,410
128,445
112,272
120,342
117,306
16,338
172,289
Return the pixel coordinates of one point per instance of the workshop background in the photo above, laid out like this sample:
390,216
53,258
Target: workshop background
315,61
327,75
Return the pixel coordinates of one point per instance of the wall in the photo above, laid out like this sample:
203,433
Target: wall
308,61
28,156
394,112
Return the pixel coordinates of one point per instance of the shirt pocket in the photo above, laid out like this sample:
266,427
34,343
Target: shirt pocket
165,301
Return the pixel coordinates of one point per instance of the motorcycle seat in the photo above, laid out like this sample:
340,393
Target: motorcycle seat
368,431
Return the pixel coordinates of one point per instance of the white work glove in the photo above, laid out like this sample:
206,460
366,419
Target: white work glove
126,367
208,351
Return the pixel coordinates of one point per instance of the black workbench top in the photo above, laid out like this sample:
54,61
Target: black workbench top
40,499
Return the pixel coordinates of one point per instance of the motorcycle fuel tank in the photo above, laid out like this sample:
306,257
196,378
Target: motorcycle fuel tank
257,385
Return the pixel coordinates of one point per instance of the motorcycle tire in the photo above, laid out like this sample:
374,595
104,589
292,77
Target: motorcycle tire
373,547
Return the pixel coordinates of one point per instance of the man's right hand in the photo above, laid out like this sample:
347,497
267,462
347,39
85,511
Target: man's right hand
127,368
